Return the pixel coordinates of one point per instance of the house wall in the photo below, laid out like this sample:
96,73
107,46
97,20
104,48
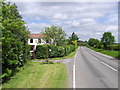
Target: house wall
35,42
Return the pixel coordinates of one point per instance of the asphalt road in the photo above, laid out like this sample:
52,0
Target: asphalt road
89,69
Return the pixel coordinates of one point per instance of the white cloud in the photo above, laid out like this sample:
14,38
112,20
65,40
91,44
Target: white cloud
87,19
60,16
73,23
64,0
112,28
37,27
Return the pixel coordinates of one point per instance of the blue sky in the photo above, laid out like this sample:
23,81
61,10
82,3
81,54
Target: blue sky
86,19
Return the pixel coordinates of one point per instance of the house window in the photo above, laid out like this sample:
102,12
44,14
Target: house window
39,40
31,40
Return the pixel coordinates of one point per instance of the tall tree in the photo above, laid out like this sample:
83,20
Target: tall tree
54,35
14,39
93,42
107,39
72,38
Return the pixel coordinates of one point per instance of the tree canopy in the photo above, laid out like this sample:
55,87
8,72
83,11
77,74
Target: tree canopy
93,42
15,50
54,35
73,38
107,39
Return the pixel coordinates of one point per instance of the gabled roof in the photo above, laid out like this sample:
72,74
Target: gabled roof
36,35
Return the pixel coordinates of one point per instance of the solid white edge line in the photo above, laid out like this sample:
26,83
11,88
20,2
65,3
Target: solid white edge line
74,76
74,84
109,66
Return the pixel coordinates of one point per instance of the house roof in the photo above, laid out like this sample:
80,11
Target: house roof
36,35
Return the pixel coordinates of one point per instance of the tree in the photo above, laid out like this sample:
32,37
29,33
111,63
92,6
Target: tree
73,38
107,39
54,35
93,42
14,39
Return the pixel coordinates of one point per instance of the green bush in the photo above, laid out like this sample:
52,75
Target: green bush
61,51
41,51
53,52
56,51
114,47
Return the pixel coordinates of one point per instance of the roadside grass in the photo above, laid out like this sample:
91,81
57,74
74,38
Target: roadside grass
107,52
59,58
39,75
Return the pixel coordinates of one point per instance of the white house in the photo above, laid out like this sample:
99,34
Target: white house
36,39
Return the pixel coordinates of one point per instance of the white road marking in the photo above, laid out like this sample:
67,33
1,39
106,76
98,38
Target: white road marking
74,76
100,53
95,58
109,66
74,84
92,56
103,62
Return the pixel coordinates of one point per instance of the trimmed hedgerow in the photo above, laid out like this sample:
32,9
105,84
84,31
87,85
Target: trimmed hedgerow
53,51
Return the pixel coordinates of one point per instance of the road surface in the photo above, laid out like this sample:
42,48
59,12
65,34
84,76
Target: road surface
89,69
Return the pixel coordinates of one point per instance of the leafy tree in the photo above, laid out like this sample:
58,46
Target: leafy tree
107,39
14,39
73,38
93,42
54,35
75,42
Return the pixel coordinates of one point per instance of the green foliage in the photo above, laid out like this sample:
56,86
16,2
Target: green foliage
53,51
75,42
93,42
41,51
14,40
107,39
54,35
107,52
114,47
73,38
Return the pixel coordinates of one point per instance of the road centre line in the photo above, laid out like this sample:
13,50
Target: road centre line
95,58
92,56
109,66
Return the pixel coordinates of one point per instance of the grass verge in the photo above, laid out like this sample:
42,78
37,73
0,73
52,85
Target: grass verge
107,52
39,75
59,58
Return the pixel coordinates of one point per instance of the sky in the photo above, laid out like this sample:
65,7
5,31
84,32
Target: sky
86,19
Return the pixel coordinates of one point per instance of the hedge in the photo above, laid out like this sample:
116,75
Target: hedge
115,47
53,51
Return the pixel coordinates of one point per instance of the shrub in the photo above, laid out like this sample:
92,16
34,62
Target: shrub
41,51
61,51
56,51
53,52
114,47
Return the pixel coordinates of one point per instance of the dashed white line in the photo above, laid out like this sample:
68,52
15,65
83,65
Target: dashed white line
95,58
92,56
109,66
104,63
